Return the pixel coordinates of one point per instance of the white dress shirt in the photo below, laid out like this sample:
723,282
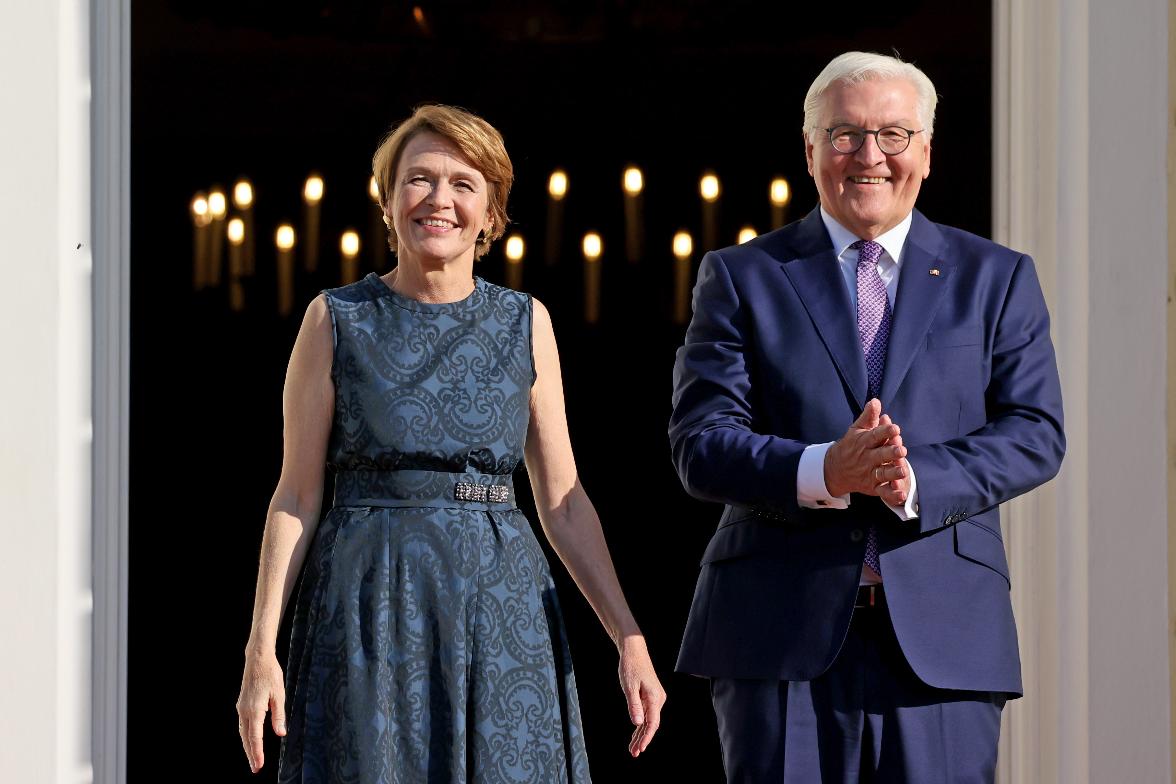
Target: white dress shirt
811,492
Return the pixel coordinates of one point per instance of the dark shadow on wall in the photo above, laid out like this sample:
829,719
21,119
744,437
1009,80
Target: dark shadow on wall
229,89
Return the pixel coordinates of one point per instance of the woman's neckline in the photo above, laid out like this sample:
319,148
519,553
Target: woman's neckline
409,303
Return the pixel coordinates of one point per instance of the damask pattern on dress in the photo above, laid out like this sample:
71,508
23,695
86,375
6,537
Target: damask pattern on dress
428,644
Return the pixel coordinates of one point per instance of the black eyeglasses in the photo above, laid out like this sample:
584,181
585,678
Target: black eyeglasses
892,139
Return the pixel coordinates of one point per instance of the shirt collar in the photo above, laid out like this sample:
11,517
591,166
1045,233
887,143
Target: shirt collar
891,241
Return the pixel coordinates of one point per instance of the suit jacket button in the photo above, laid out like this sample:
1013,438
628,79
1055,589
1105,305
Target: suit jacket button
856,535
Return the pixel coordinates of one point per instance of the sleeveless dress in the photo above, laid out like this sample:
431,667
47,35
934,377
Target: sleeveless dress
427,641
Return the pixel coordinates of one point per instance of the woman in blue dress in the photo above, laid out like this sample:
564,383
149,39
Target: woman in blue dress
427,641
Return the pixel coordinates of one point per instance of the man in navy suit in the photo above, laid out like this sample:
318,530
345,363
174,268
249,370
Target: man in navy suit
862,389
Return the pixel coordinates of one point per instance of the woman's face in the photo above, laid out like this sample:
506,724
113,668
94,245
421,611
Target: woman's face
440,201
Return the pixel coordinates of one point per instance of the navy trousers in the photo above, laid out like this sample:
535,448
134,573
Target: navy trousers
867,719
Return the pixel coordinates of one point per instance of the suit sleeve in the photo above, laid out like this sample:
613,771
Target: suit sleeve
718,456
1022,444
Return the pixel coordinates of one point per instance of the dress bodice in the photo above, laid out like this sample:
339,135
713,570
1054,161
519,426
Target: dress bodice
438,387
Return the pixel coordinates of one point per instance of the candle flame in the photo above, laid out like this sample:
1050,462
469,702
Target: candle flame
242,194
634,181
200,214
747,233
708,186
217,204
557,185
313,190
515,248
780,193
683,245
236,231
592,246
285,236
349,244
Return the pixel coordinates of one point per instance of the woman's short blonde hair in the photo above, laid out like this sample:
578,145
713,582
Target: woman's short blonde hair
477,139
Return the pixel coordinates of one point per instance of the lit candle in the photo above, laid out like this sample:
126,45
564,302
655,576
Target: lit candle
312,195
514,262
349,247
708,188
200,221
747,233
236,234
557,189
683,250
634,183
243,201
592,249
377,231
217,207
780,194
285,242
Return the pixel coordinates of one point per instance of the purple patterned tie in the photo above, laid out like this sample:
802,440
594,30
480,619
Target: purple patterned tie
873,322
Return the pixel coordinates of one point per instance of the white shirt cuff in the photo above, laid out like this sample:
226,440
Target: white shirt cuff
909,510
811,492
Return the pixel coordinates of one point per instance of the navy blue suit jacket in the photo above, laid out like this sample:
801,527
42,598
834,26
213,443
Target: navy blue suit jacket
772,363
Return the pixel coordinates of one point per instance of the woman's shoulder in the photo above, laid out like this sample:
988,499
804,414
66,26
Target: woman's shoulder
359,291
496,291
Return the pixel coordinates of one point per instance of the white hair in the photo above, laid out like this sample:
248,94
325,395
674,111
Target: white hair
855,67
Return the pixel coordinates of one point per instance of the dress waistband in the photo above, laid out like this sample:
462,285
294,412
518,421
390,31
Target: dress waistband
436,489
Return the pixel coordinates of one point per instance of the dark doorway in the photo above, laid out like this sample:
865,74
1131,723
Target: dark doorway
223,90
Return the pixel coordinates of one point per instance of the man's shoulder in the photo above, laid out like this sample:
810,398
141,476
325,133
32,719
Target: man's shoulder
962,245
767,251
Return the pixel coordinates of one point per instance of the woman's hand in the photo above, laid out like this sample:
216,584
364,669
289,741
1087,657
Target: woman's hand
261,690
643,691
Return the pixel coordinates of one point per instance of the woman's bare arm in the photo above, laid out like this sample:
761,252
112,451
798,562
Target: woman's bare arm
307,404
572,526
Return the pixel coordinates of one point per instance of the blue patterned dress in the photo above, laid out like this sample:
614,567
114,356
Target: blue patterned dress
428,644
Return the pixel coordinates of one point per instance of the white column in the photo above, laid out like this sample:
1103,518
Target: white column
1079,153
45,430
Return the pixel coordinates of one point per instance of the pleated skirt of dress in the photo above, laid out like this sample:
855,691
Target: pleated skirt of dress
428,646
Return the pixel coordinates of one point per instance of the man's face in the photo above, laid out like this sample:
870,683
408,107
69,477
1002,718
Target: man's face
867,191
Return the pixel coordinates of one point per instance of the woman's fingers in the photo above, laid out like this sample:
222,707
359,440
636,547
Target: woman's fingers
249,723
253,738
633,699
655,698
277,707
261,691
650,697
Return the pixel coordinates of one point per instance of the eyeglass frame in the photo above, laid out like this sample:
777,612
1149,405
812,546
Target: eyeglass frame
867,132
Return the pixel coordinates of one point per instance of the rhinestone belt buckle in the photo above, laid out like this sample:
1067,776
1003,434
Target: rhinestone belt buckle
468,491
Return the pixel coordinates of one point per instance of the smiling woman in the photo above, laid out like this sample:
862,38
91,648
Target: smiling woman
442,143
427,640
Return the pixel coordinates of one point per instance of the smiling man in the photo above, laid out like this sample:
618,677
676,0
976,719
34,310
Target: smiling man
862,389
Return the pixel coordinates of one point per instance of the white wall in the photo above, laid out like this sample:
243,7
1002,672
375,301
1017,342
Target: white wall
1081,109
1127,476
45,397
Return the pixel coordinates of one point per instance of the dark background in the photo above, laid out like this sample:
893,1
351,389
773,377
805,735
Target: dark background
228,89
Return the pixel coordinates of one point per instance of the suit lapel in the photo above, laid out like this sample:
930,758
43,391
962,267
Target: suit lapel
921,286
816,276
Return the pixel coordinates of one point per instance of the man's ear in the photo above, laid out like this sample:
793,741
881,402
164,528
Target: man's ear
808,152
